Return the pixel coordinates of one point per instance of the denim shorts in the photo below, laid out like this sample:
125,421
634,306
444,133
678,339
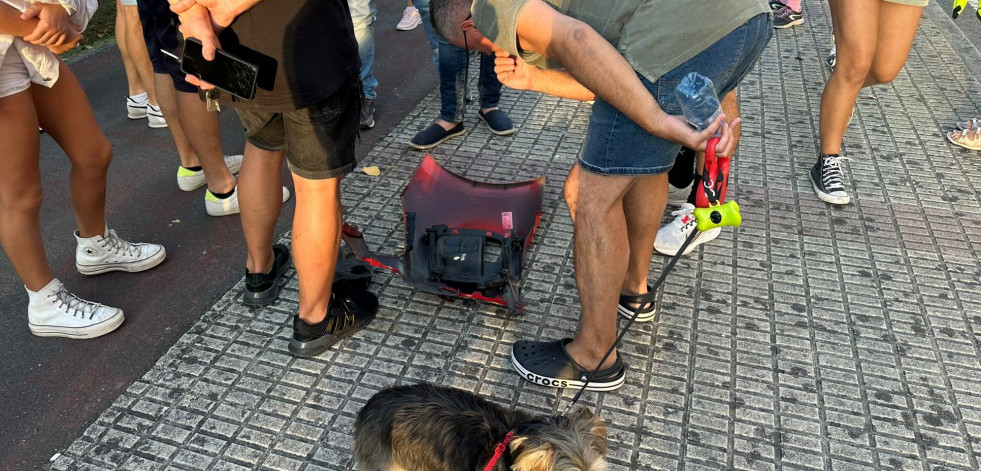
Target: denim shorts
318,139
615,145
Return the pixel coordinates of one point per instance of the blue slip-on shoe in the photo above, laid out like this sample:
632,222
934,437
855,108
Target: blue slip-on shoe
498,122
434,135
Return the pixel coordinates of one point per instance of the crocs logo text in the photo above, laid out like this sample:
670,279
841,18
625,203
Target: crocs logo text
558,383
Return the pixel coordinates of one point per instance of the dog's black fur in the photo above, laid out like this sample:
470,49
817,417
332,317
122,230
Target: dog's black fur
424,427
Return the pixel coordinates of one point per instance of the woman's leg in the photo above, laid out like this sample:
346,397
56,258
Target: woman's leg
65,113
856,34
20,190
897,28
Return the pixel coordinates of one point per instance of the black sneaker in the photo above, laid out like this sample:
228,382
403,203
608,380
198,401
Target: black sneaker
262,289
828,179
785,18
367,113
549,364
346,314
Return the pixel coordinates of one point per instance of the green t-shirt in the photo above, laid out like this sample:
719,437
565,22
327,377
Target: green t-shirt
654,36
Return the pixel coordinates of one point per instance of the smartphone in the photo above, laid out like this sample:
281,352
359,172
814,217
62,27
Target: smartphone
227,72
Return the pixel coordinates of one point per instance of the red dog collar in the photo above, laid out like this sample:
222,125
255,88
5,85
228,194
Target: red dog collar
499,450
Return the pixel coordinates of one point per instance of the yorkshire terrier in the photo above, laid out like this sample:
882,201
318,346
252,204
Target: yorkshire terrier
424,427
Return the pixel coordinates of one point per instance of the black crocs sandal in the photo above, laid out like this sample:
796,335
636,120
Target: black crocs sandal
346,315
549,364
646,312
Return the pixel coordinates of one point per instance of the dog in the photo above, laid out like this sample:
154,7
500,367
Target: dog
424,427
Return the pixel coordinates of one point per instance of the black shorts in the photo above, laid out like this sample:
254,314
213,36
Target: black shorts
160,32
318,139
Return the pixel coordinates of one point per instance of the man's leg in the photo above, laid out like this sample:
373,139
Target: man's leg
363,16
204,135
136,49
260,196
490,95
602,250
316,239
452,65
167,98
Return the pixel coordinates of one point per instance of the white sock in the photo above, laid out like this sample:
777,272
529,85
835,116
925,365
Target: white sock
142,97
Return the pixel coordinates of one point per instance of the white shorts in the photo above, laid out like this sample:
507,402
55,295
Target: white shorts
14,77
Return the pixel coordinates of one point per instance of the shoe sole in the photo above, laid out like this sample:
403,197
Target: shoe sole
89,332
700,239
791,24
367,125
565,383
142,265
430,146
826,197
409,28
492,130
136,115
157,125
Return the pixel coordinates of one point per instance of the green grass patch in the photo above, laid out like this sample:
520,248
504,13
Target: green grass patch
100,31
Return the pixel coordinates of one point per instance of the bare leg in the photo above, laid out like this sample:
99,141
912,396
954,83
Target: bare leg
316,239
643,206
205,139
167,97
873,40
65,113
136,85
136,49
20,190
260,197
602,249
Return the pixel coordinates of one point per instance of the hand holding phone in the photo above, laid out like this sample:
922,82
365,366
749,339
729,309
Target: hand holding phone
226,72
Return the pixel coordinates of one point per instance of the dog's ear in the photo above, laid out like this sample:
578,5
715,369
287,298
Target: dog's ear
584,422
529,457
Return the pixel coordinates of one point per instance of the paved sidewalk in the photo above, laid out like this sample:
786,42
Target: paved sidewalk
811,337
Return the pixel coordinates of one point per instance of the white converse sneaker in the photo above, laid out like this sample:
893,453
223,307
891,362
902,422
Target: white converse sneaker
672,236
101,254
190,180
136,109
228,206
155,117
54,312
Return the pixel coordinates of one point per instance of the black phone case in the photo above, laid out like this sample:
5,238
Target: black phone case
226,72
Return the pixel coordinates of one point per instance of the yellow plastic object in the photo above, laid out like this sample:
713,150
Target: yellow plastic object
718,216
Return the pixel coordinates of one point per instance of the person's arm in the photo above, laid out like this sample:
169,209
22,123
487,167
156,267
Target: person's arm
597,65
514,72
11,23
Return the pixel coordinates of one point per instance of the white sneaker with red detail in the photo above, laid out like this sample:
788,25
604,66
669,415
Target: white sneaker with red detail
672,236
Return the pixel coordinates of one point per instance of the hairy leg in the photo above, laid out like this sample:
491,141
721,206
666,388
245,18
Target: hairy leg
260,197
317,224
205,139
136,49
167,99
601,258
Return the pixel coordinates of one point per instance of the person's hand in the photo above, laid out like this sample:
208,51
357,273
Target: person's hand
196,23
72,40
678,130
53,27
513,71
222,11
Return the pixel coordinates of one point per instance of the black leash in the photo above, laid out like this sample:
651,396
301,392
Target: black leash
649,297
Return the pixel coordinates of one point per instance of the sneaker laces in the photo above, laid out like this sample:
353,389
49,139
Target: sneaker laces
341,316
679,222
831,175
112,243
74,305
